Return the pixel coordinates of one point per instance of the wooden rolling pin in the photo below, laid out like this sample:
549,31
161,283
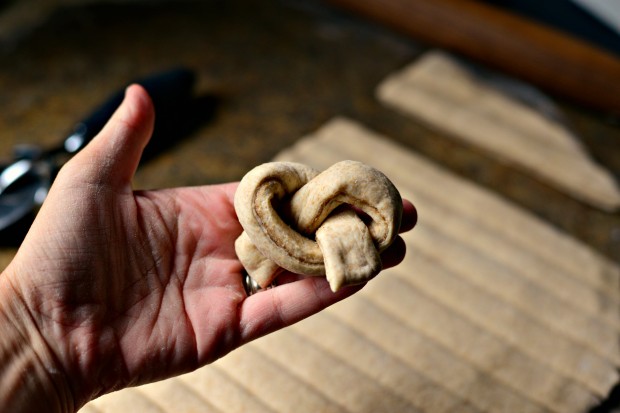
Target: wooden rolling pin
554,61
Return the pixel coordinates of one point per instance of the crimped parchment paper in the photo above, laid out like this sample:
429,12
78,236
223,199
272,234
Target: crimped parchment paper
489,111
493,310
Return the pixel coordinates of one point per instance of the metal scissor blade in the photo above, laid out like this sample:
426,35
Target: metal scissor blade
25,182
20,201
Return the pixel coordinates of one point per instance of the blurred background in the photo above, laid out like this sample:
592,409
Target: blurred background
276,70
270,72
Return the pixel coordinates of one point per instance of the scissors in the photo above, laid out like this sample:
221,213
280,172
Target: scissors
25,181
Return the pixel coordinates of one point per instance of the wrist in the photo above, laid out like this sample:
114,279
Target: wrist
29,380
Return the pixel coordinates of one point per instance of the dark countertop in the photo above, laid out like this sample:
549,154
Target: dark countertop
278,70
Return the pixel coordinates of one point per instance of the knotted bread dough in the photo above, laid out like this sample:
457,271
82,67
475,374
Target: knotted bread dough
303,221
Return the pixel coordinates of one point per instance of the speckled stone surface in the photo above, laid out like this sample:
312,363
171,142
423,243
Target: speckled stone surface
278,70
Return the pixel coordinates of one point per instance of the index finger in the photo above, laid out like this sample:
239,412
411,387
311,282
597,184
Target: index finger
410,216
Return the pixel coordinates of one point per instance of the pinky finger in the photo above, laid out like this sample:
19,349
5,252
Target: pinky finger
286,304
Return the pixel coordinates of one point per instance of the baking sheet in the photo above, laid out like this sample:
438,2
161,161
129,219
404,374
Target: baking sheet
508,119
493,310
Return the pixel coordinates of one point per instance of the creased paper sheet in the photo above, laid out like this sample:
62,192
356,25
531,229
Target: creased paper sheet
493,310
451,96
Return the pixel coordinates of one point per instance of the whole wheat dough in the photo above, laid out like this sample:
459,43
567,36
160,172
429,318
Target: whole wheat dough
297,219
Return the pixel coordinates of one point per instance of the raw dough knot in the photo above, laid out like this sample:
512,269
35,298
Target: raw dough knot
306,222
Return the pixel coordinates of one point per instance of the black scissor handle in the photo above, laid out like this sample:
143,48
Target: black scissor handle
169,90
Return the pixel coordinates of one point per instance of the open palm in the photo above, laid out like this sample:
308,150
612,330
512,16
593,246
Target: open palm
129,287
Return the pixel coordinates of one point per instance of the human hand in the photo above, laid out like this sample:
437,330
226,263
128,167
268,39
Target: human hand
114,287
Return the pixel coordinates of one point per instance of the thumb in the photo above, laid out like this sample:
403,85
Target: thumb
112,157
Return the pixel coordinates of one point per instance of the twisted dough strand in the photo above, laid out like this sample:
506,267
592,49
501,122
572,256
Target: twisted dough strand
297,219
